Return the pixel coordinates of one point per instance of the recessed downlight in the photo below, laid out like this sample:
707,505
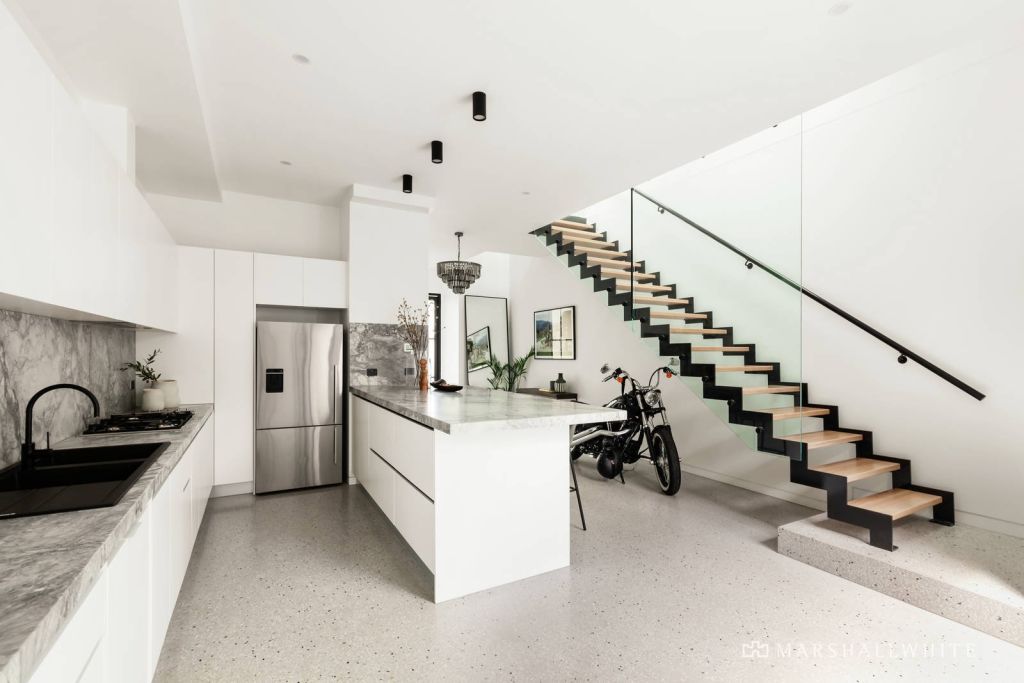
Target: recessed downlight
301,59
526,192
285,163
839,8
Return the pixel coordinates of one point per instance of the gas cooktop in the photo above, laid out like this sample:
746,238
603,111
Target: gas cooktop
140,422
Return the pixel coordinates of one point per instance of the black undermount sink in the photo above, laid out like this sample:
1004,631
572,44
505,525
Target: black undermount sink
74,478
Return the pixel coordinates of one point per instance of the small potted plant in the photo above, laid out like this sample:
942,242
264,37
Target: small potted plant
152,397
412,329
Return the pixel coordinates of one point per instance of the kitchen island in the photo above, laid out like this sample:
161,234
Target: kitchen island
477,482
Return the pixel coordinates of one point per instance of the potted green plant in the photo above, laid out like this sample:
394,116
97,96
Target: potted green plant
152,397
507,376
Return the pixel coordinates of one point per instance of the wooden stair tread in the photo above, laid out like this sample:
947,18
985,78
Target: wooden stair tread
660,301
565,232
599,261
572,224
584,249
587,241
678,315
856,469
897,503
742,368
613,273
697,330
718,349
771,389
623,286
823,438
790,412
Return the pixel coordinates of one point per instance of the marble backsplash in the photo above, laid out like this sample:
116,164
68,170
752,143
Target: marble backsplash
375,345
36,352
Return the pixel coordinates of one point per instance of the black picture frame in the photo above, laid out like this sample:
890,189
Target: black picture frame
545,347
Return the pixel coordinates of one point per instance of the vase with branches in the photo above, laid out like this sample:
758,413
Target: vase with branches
412,329
144,369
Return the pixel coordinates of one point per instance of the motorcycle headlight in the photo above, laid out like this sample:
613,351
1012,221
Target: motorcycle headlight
653,398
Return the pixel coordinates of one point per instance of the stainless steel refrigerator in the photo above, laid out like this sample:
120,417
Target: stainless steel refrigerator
299,407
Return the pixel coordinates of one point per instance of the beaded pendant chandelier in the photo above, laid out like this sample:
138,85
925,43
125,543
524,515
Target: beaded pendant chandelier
458,274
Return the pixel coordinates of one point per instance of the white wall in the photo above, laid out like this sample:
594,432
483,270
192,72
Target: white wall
910,217
707,445
116,130
246,222
388,251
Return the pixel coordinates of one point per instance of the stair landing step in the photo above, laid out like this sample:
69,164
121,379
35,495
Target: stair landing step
660,301
823,438
897,503
677,315
623,286
743,368
719,349
791,412
703,331
572,224
771,389
857,468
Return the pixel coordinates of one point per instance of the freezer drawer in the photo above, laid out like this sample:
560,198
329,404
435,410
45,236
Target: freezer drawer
297,457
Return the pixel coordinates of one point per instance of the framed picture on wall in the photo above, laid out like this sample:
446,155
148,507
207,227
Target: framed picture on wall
554,333
478,348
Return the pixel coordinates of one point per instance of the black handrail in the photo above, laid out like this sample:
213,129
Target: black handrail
750,261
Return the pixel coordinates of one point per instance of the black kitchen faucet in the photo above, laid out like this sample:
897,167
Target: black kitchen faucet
29,447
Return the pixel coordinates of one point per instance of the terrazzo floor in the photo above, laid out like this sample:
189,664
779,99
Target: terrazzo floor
316,585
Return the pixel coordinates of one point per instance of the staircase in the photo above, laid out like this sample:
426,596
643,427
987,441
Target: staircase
662,314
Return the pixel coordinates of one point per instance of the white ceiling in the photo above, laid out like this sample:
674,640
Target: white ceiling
586,97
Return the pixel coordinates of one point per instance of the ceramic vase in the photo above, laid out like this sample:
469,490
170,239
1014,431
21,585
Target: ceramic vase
170,389
152,399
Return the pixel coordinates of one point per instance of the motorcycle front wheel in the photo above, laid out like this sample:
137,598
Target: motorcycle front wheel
666,459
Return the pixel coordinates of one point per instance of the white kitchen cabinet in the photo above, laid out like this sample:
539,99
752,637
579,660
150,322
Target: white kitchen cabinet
79,653
179,485
406,445
202,473
324,283
26,169
76,232
161,598
360,430
278,280
414,519
234,366
128,608
379,481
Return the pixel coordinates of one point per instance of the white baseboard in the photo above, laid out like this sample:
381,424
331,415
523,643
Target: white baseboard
236,489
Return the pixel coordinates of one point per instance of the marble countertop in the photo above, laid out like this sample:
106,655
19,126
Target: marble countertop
477,407
48,563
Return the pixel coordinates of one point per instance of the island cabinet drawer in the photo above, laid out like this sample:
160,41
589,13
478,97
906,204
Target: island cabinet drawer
405,445
414,519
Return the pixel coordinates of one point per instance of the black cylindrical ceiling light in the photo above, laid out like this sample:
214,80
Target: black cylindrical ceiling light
479,106
436,151
407,183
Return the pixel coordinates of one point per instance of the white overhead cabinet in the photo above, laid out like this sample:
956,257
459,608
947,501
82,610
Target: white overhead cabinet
76,232
296,281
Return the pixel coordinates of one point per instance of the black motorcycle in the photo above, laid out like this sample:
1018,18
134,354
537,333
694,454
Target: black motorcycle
617,443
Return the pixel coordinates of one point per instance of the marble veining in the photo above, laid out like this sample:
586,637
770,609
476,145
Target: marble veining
37,351
375,345
48,563
476,407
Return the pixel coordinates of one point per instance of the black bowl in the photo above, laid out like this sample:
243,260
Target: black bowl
448,388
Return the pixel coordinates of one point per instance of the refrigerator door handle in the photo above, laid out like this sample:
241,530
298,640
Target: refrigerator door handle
335,417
